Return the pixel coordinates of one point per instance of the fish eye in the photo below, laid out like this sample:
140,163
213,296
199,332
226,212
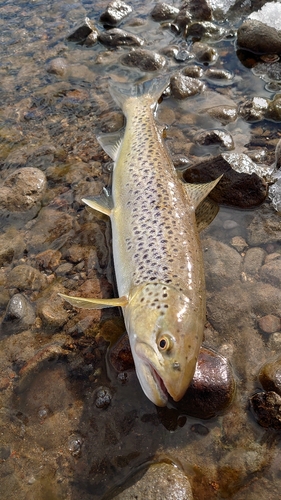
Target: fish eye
165,343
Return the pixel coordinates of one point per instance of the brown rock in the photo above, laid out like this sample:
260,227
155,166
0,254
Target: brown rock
267,409
212,388
184,86
271,272
270,323
253,261
24,277
257,37
270,375
144,59
115,12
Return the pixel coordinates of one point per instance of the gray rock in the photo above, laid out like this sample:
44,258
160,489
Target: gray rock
115,12
163,11
253,261
205,30
254,109
184,86
222,264
161,481
83,32
219,137
271,272
117,37
224,114
204,53
57,66
270,375
257,37
19,315
144,59
218,74
24,277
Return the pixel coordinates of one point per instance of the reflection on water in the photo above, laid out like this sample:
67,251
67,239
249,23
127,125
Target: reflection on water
57,441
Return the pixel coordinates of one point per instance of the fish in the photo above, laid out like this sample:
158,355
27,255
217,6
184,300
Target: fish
156,247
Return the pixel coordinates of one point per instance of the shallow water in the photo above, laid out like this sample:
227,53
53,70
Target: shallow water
56,442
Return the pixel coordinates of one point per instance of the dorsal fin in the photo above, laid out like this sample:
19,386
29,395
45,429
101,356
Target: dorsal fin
111,143
198,192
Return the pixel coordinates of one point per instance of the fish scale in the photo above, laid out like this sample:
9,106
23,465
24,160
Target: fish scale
156,247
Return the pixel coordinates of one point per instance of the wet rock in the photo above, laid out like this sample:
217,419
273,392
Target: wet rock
254,109
144,59
64,269
253,261
193,71
267,409
192,10
75,442
19,315
212,388
83,32
219,137
204,29
269,323
52,313
204,53
271,272
163,11
235,189
278,155
161,481
257,37
117,37
57,66
11,245
224,114
220,75
103,398
222,263
23,190
24,277
270,375
115,12
182,20
183,53
184,86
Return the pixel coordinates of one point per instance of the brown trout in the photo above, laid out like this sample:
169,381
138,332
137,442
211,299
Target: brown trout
156,248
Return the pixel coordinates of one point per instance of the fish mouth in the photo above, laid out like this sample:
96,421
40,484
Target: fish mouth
159,382
152,383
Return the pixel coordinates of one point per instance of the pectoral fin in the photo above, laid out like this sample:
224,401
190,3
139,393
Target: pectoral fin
101,203
94,303
198,192
111,143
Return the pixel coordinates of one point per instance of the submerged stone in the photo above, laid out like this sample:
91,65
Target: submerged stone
204,53
224,113
19,315
211,137
204,29
184,86
144,59
82,32
267,409
117,37
24,277
271,272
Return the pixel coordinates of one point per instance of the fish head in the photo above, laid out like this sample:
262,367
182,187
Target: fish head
165,332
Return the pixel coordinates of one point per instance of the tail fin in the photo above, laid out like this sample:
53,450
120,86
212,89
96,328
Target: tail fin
150,88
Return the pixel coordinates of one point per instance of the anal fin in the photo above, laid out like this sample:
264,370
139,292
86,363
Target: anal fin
94,303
